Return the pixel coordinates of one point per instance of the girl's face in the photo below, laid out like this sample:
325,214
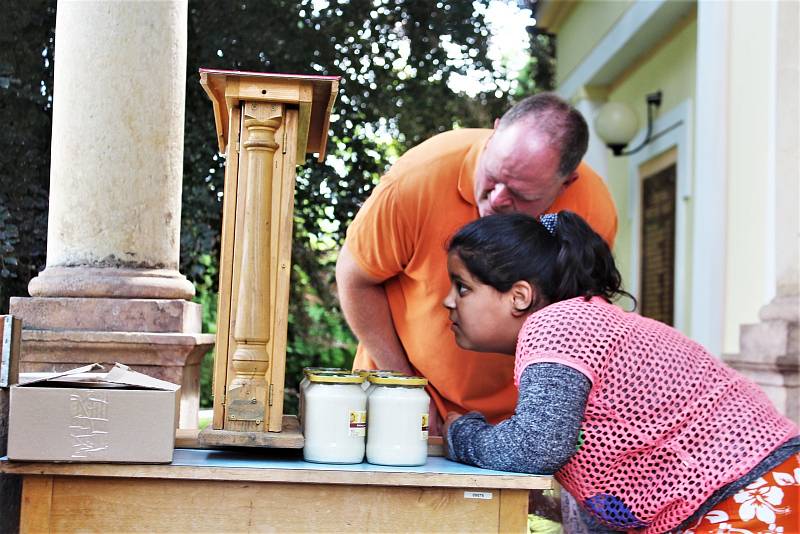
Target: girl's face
483,319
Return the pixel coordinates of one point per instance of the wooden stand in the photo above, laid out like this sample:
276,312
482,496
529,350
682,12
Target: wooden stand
266,123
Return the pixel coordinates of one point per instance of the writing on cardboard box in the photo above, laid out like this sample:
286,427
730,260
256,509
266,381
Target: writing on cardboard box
89,422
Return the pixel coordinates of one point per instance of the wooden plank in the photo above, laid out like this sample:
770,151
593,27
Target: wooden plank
126,505
320,120
188,438
513,516
10,485
226,273
211,87
289,437
303,125
37,499
295,476
282,225
275,90
10,337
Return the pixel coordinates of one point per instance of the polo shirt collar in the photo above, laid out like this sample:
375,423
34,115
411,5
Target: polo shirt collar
466,177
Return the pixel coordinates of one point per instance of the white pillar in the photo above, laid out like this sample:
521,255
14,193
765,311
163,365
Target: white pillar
786,172
710,174
117,151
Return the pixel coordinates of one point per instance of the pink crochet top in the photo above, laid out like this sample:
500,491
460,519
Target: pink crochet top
666,423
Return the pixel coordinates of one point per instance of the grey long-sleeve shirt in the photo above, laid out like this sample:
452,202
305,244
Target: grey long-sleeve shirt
542,434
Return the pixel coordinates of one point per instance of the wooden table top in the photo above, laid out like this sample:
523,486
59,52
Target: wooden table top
272,466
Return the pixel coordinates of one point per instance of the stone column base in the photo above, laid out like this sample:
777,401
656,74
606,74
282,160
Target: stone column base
172,357
102,282
158,337
770,354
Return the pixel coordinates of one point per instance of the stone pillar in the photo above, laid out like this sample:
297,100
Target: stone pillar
770,349
111,289
117,152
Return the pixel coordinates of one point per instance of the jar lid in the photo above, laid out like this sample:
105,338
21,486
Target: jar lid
411,381
378,372
341,378
335,370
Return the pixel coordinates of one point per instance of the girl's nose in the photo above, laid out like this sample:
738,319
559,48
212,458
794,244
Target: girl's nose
449,300
499,198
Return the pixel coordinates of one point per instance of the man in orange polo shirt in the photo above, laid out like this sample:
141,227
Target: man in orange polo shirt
392,270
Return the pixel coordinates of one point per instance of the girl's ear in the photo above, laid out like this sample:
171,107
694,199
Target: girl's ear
522,296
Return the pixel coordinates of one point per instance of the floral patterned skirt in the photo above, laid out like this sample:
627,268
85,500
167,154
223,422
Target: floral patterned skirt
769,505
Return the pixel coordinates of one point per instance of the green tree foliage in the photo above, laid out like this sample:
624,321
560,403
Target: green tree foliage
26,81
394,67
540,72
395,58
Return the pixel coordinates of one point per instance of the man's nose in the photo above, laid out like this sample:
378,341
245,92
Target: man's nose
499,197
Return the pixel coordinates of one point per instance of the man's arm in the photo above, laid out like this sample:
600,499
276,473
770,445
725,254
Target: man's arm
366,309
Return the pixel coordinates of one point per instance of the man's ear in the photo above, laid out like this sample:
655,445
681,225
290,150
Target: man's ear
522,295
496,123
571,178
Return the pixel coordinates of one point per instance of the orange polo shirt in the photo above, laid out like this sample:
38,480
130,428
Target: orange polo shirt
400,234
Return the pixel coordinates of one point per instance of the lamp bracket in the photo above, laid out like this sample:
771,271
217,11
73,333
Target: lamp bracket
653,103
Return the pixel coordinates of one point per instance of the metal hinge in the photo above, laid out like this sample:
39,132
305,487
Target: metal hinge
270,394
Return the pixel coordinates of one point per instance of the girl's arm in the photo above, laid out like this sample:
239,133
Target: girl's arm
540,437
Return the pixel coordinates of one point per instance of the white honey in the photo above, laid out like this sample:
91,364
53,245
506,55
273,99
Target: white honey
304,384
397,418
335,419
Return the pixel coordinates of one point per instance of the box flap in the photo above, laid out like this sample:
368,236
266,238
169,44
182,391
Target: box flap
51,376
122,374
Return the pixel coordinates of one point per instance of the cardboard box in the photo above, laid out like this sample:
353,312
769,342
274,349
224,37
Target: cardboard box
85,416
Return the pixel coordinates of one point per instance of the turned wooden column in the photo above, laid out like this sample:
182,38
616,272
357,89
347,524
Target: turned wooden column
247,396
266,123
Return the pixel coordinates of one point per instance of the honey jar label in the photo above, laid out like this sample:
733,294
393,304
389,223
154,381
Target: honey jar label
358,423
424,435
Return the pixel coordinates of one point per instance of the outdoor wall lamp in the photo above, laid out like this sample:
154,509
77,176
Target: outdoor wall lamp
616,124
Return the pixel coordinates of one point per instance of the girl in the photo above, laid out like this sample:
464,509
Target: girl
642,425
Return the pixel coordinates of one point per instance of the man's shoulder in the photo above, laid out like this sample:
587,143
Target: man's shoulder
443,152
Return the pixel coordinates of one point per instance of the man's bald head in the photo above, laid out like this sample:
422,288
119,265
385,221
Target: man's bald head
561,124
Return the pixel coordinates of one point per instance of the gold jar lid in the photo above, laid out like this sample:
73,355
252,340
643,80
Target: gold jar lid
341,378
317,370
409,381
385,372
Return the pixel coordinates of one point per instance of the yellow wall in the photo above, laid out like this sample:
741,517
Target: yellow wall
670,67
748,164
587,24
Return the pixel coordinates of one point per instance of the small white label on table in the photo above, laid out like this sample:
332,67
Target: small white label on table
486,495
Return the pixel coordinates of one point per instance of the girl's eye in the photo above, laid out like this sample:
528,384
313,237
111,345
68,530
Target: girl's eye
461,289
